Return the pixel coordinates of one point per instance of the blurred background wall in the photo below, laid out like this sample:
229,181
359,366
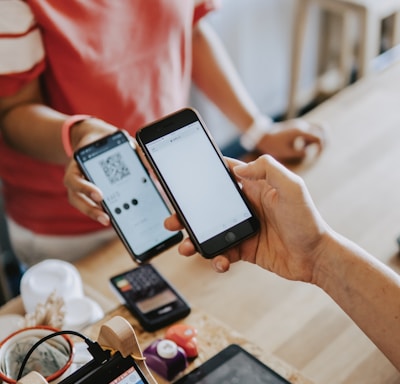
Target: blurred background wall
258,38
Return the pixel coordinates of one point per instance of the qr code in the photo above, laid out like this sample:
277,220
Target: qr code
114,168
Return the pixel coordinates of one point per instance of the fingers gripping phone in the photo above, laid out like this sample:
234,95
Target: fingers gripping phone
131,199
193,173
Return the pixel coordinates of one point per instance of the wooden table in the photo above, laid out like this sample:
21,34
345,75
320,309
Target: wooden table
356,185
213,334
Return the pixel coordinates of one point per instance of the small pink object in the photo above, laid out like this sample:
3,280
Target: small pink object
184,336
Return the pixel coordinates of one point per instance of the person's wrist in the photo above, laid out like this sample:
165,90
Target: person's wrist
255,132
326,257
66,129
89,130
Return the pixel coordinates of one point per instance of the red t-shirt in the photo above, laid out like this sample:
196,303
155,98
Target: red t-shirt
126,62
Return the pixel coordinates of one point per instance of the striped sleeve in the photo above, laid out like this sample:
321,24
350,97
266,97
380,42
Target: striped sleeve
21,47
203,7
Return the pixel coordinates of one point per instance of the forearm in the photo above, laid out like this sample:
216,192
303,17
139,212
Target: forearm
32,128
367,290
216,77
35,130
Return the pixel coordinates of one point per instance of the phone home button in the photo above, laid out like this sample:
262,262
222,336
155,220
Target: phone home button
230,237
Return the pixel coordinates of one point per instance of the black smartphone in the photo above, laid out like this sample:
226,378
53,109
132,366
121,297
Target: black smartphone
230,366
136,208
150,297
192,170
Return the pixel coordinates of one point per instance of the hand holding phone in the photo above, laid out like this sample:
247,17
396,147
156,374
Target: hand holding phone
204,193
131,199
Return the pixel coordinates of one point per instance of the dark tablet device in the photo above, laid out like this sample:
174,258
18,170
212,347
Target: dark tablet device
231,366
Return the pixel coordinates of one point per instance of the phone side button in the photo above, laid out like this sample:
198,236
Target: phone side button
230,237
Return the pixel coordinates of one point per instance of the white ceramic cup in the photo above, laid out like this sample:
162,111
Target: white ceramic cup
50,275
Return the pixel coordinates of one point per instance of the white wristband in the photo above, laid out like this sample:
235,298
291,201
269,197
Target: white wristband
255,132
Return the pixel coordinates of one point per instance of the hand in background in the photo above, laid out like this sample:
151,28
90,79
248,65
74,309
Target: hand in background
290,139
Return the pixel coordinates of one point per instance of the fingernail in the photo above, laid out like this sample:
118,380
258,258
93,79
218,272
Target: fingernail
103,220
96,196
299,143
219,267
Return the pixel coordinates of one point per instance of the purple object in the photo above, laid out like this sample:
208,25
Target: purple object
165,358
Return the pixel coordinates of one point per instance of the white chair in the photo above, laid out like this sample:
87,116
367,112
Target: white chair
369,15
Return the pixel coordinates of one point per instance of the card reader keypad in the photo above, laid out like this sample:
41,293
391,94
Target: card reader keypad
144,282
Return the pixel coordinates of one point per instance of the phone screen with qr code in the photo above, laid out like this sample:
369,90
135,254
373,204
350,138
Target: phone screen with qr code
131,199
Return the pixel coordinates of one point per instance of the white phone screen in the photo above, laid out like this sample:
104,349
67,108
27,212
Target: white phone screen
198,180
130,195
